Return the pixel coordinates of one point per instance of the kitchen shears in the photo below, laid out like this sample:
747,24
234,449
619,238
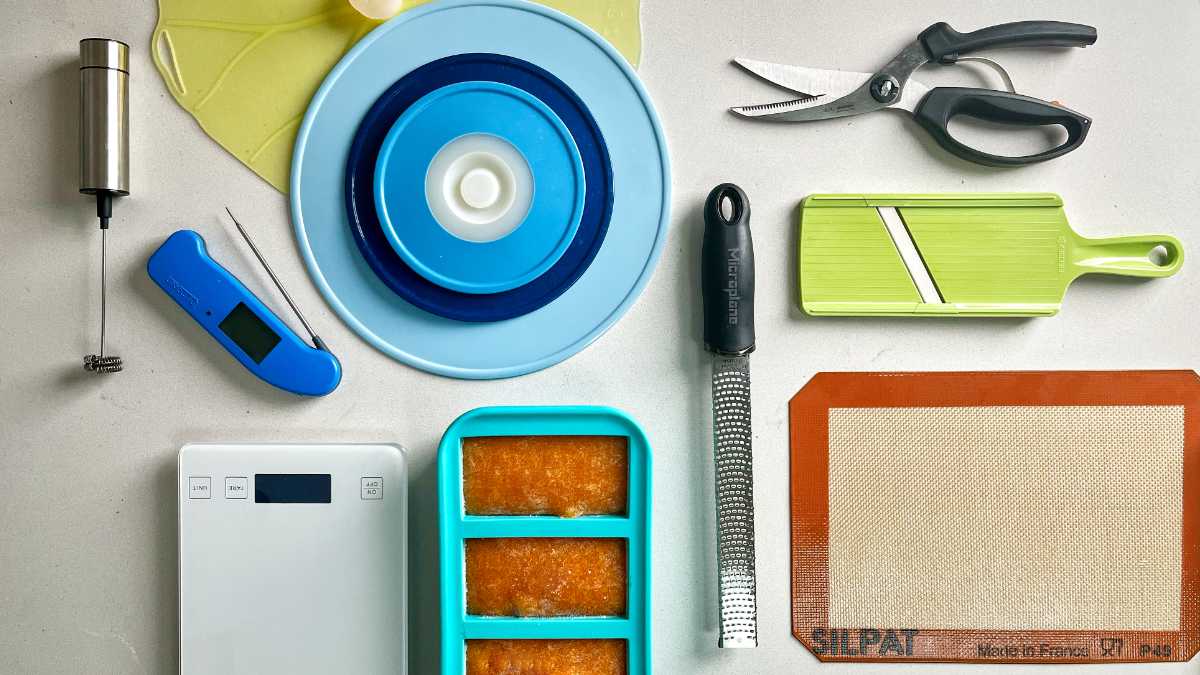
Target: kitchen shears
826,94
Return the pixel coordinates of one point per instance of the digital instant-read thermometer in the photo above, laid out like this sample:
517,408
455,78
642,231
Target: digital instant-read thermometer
238,320
292,559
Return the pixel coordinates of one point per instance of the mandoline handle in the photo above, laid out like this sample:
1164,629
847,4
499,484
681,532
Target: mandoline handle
945,44
1129,256
942,104
727,273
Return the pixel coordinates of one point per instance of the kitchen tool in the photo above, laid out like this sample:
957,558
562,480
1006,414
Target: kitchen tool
238,320
246,69
292,559
457,527
1033,517
609,90
826,94
727,279
1005,254
479,187
416,289
103,154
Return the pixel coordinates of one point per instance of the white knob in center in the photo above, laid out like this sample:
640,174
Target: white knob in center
479,188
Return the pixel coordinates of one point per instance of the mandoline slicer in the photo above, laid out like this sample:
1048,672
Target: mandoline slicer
1022,517
1006,254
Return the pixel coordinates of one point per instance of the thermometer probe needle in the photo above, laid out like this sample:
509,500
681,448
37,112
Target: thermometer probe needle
317,342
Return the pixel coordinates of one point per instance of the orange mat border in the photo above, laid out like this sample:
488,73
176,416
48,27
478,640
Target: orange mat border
809,434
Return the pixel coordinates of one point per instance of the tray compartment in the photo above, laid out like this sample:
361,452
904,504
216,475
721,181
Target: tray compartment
546,475
546,576
582,657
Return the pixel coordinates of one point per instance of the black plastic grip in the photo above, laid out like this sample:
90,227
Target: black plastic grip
941,104
945,44
727,273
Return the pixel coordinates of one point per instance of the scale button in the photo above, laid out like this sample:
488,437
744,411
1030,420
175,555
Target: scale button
236,487
199,487
372,487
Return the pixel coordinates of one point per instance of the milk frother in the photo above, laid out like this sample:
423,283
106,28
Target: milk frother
103,152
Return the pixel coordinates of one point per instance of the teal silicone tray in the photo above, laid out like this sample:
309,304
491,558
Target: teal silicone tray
456,527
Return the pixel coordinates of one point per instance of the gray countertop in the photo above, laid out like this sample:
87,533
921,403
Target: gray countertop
87,464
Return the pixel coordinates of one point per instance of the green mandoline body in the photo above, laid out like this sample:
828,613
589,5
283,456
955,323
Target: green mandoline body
1004,254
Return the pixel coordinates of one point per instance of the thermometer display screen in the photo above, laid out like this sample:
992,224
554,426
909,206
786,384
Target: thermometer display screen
292,488
249,332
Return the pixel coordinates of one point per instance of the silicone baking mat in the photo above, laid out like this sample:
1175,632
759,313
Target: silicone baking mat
1034,517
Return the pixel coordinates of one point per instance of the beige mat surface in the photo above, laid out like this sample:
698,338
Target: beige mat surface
996,516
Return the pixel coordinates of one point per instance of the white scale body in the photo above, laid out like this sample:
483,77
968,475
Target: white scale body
292,560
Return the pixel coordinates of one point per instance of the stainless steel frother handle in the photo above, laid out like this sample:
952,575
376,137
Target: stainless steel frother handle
103,116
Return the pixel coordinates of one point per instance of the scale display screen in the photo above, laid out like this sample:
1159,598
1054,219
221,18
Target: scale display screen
249,332
292,488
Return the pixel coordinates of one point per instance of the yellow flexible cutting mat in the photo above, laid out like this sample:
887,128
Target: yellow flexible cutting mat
246,69
997,517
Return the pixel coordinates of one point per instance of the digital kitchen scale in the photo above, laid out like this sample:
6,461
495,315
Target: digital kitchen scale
292,559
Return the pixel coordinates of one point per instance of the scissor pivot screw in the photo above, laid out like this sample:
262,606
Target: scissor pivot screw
885,89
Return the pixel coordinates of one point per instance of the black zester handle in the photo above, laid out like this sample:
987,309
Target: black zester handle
727,273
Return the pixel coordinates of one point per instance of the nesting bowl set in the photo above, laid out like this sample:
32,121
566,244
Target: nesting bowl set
481,188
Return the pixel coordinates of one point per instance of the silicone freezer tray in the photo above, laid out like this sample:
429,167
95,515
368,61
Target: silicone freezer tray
457,527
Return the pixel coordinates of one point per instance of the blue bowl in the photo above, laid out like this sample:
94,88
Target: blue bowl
500,111
387,264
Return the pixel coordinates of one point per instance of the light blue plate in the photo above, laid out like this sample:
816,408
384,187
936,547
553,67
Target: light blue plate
456,527
535,131
601,78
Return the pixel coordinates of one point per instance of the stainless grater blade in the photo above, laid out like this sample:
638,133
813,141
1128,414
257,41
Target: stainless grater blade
735,501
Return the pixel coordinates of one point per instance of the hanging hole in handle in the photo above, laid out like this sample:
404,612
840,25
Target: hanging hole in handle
1162,255
729,206
1006,140
726,208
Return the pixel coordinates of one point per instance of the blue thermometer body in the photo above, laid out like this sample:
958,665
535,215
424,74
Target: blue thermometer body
238,320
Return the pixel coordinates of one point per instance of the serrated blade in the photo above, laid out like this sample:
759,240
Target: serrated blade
735,501
764,109
818,88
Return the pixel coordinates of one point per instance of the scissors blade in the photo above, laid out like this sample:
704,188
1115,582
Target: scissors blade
821,92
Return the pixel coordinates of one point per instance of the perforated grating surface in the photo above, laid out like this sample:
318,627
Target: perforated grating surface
735,501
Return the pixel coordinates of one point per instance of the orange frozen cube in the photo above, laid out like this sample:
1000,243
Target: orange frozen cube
546,475
554,576
546,657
